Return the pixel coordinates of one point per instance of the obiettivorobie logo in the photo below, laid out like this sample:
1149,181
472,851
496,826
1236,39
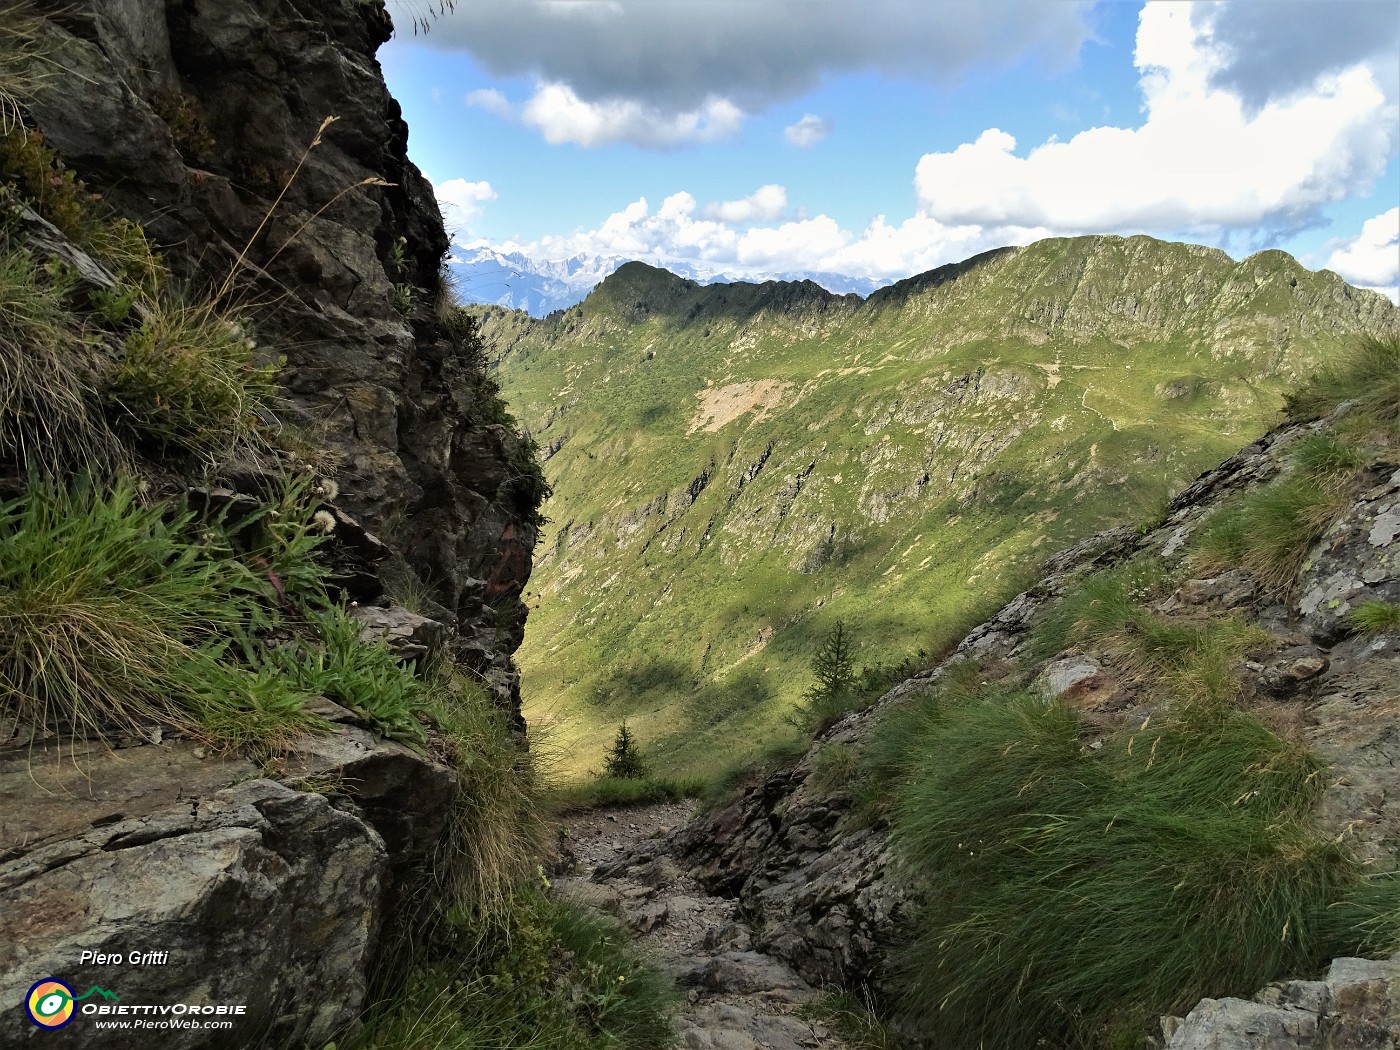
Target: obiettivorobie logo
50,1002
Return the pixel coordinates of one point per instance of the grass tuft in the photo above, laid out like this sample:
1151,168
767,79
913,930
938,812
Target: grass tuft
496,825
1367,376
188,382
601,791
546,976
1072,893
1191,660
1268,532
49,371
858,1027
103,603
1375,617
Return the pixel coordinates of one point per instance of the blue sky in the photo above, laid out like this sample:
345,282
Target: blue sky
880,138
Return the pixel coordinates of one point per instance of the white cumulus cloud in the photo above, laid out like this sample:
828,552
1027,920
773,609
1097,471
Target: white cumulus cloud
762,205
679,232
1372,259
1199,159
461,202
808,131
492,101
560,116
1204,163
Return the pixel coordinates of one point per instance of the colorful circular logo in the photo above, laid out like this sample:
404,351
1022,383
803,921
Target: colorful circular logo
50,1003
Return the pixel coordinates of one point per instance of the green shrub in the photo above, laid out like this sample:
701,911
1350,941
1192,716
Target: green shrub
42,179
1326,459
1071,893
834,767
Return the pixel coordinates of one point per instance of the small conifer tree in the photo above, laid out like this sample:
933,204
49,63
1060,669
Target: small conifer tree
624,758
833,666
830,696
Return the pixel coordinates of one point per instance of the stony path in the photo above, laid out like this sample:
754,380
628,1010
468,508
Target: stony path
735,998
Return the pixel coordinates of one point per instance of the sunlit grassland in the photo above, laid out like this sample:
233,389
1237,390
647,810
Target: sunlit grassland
944,445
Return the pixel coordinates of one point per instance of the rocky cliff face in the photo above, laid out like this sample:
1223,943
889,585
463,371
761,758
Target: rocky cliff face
278,885
191,118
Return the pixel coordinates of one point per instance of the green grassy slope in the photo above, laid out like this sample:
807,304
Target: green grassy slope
737,467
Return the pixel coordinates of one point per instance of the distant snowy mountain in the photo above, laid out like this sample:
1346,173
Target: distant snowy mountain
539,287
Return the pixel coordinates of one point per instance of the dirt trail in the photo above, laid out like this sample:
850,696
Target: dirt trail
735,998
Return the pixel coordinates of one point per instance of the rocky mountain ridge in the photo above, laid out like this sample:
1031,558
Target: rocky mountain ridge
830,449
538,287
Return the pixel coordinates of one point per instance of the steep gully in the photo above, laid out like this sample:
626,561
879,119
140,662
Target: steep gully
734,997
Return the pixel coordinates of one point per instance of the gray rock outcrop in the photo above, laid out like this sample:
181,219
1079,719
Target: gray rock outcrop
277,885
258,892
1355,1006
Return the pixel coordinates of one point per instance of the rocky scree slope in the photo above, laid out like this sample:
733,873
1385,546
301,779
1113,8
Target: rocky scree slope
279,885
809,857
620,862
737,467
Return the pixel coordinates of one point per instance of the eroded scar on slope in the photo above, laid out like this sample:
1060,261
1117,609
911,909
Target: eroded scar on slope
721,405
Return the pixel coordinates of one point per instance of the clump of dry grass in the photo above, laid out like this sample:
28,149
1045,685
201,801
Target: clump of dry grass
189,382
49,371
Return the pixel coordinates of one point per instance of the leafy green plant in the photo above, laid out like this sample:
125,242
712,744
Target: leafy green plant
187,126
362,676
27,162
1327,459
253,710
1072,892
834,767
